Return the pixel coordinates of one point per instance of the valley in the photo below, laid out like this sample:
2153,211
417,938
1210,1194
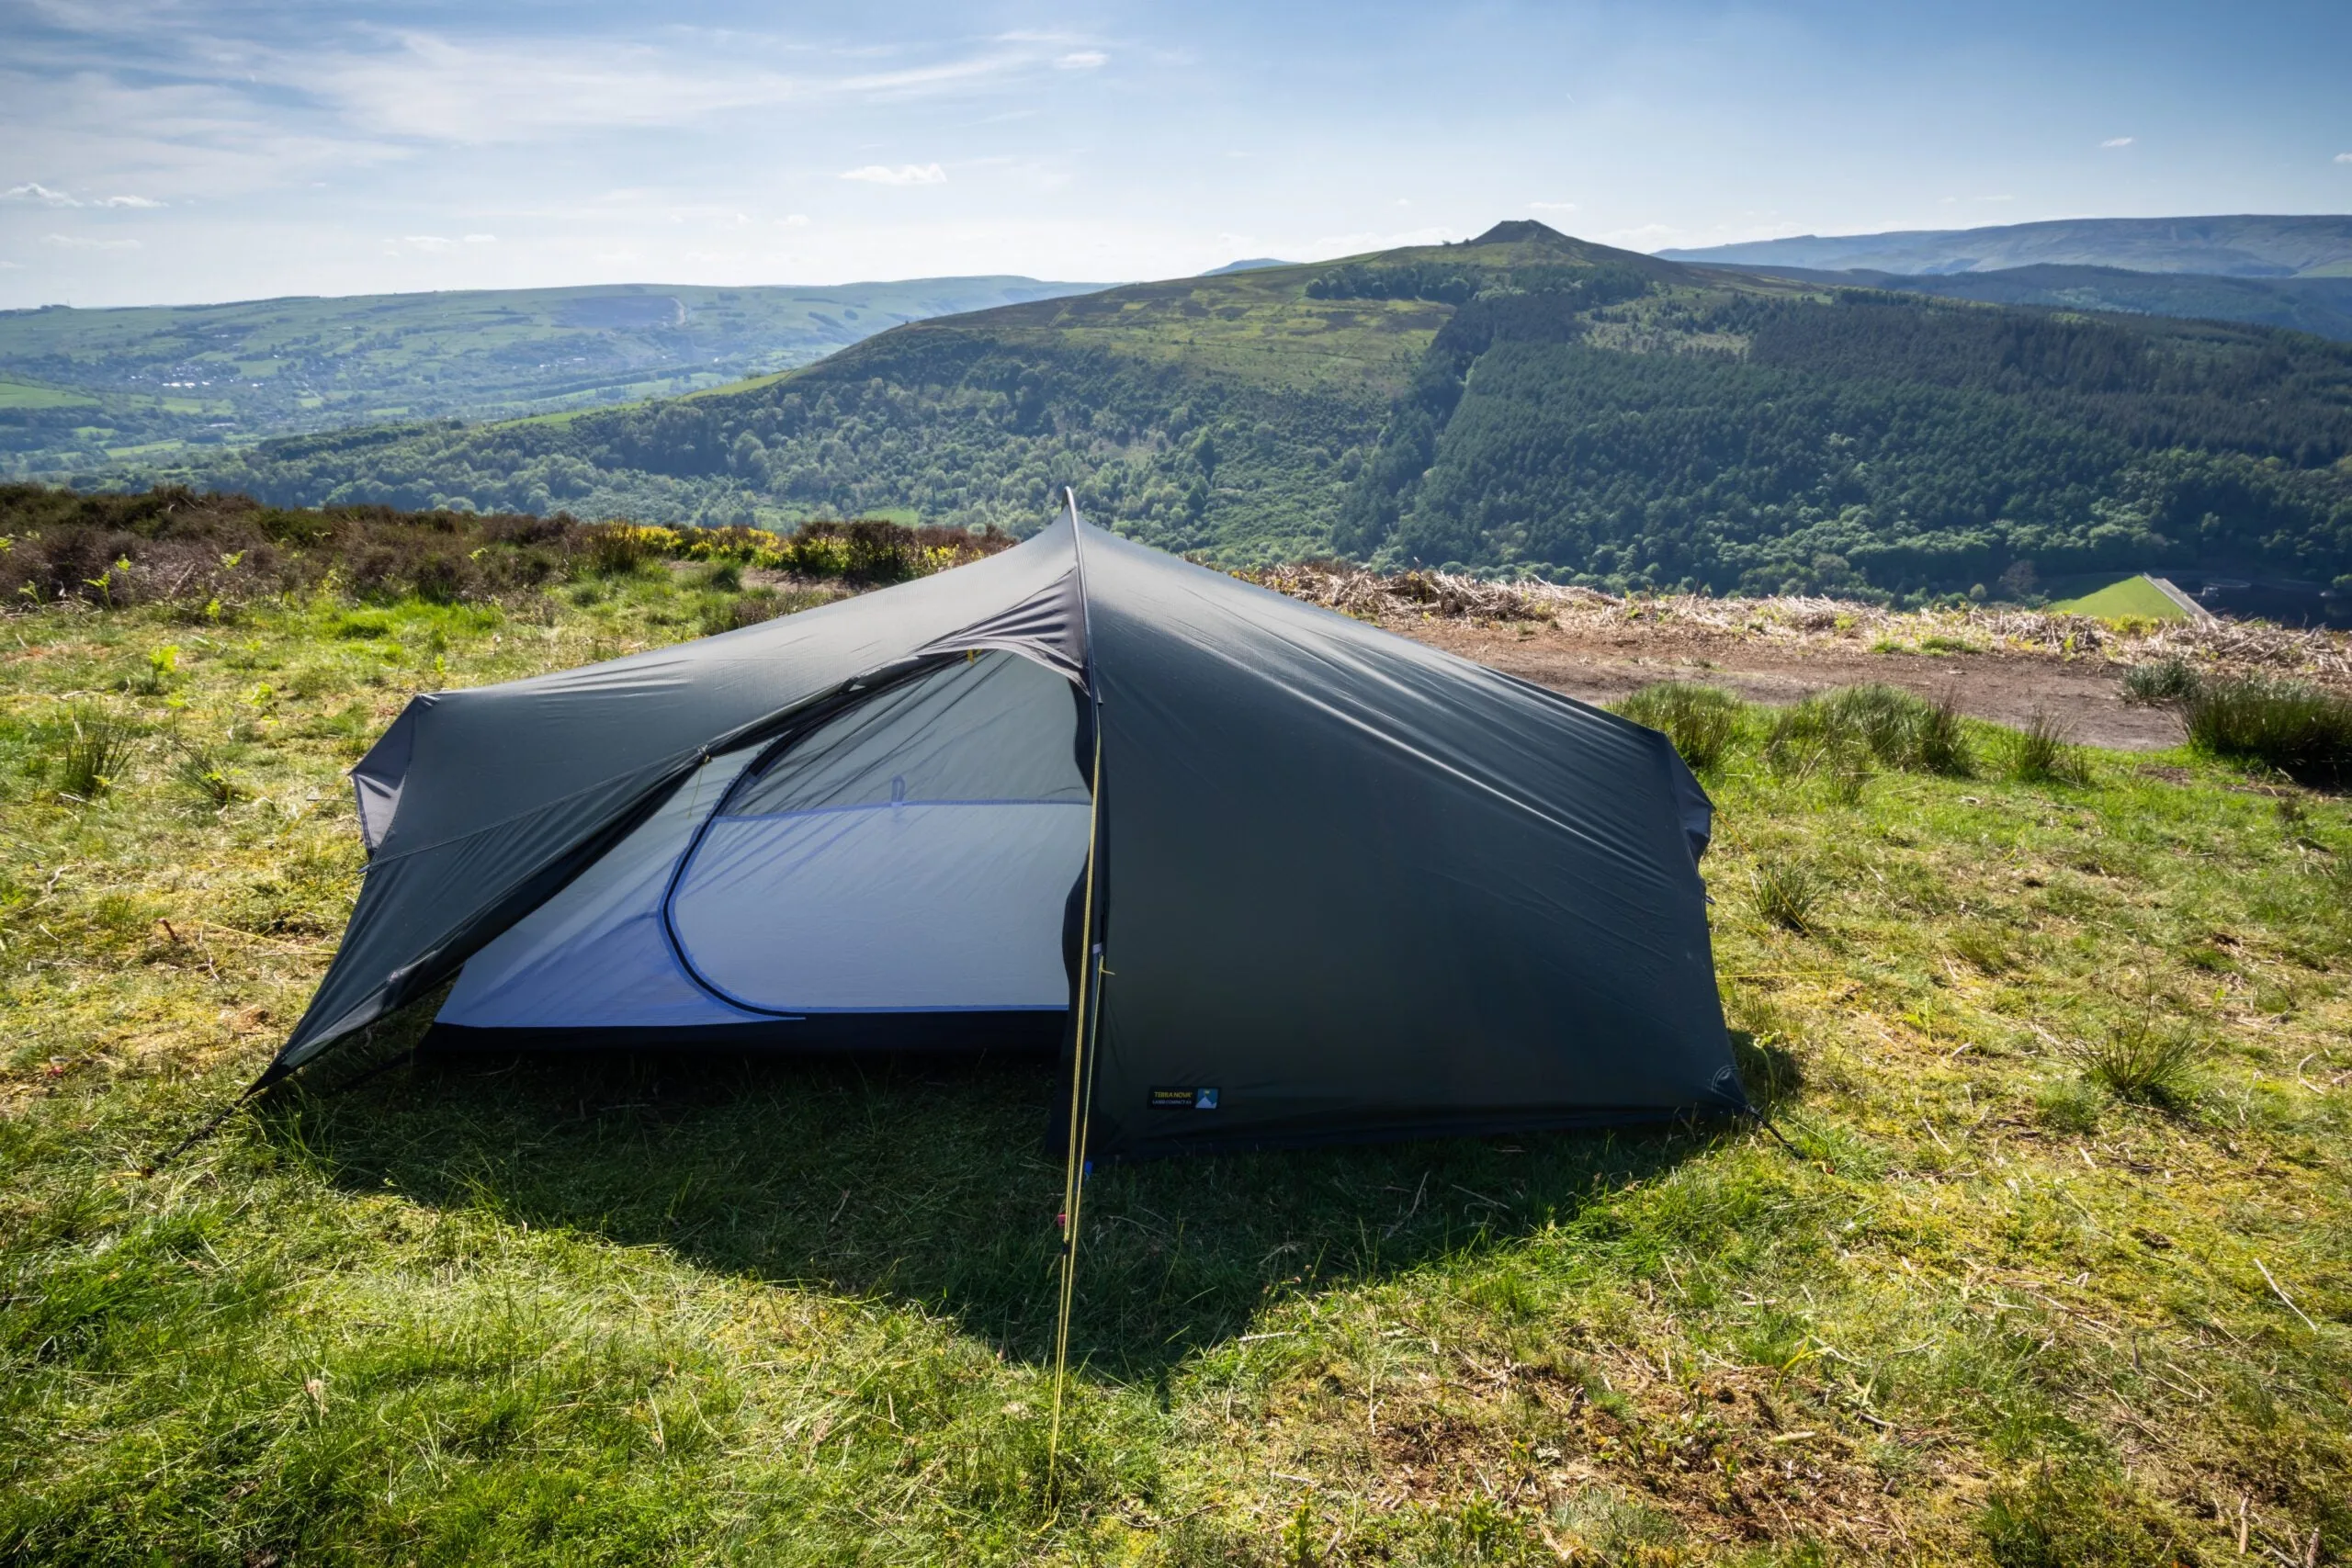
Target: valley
145,384
1521,404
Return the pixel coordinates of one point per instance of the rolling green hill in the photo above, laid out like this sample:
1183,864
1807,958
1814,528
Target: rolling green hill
2322,306
169,376
1525,402
2252,245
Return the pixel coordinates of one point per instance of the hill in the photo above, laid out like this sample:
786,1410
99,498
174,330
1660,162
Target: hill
2321,306
2250,246
1523,403
2056,1272
153,380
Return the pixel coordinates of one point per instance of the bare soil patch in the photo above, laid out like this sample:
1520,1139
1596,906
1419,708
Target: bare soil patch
1601,666
1996,662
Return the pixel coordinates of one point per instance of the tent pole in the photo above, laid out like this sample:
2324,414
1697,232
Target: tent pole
1081,1075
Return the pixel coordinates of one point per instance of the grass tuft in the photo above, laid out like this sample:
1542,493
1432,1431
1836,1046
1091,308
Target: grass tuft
2294,727
2042,753
1789,894
2143,1061
95,753
1838,731
2161,681
1703,722
202,772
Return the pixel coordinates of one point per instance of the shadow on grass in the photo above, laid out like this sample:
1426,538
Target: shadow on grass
927,1181
1771,1071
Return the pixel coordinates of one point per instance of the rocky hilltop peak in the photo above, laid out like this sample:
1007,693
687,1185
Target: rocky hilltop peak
1522,232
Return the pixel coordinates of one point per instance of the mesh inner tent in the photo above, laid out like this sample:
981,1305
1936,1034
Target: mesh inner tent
912,854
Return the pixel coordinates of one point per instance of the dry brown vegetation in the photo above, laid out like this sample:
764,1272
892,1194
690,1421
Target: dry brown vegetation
2247,647
194,549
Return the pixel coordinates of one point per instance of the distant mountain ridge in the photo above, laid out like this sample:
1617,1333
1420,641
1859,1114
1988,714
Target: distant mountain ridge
2249,245
1254,264
144,380
1525,402
2319,305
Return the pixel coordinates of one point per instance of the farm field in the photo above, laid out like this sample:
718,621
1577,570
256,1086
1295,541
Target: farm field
27,395
2126,597
2052,1269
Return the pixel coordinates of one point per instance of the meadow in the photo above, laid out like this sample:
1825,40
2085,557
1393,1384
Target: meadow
2051,1268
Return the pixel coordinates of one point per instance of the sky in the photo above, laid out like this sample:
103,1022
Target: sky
193,151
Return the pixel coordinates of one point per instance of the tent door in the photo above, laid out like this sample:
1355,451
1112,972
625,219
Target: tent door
912,854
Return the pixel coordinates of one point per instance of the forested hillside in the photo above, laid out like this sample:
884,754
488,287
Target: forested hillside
1877,441
1521,403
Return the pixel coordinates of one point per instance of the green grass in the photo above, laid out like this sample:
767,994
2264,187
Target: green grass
2288,725
2133,595
24,395
697,1311
1702,721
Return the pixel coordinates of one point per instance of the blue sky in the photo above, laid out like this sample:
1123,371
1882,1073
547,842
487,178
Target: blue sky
210,149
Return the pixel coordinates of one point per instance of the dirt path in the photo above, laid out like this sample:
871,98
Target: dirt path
2083,694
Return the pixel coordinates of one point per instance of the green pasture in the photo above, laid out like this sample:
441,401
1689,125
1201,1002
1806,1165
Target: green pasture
2116,598
24,395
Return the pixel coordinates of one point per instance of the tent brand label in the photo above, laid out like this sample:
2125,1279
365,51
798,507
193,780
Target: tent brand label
1183,1100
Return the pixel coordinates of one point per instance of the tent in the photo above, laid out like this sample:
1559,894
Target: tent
1273,876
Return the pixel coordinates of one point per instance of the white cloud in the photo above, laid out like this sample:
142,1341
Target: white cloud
428,241
2118,141
2002,197
793,220
2344,157
921,78
904,174
482,239
219,138
1552,207
1082,60
47,198
435,88
82,243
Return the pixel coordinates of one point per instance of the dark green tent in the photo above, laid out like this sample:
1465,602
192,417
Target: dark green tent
1335,885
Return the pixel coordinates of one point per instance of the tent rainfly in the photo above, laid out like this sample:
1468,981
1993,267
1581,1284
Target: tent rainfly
1267,875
